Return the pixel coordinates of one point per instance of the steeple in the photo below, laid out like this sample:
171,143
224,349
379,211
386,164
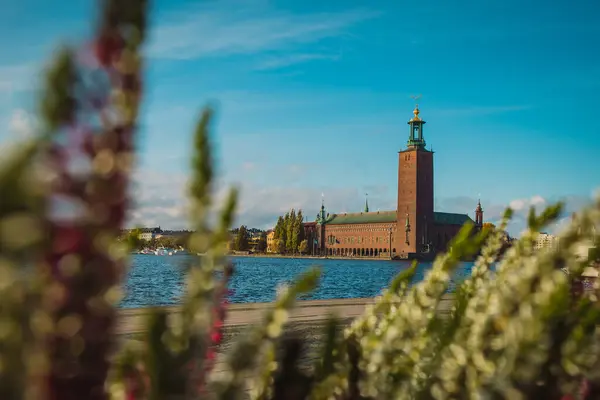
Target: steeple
321,216
366,202
415,137
479,214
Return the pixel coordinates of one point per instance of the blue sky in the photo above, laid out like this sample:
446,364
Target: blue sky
313,97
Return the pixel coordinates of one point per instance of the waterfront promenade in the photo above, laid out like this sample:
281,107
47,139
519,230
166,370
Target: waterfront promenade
306,320
131,321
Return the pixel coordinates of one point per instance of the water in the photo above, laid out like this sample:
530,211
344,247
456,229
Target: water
158,280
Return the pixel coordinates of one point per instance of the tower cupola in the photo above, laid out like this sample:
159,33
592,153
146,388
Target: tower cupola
415,137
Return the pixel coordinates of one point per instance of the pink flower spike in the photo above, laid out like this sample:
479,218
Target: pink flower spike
216,337
210,355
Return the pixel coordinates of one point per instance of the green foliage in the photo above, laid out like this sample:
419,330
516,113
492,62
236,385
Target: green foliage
513,332
303,247
280,229
291,236
133,240
289,230
280,246
241,239
262,243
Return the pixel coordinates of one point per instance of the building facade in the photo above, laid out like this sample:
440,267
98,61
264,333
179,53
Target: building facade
413,230
545,240
271,241
149,233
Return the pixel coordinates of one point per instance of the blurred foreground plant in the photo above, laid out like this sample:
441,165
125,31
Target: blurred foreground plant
515,333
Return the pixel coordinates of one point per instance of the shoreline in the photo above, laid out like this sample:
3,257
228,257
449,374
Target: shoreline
312,257
132,320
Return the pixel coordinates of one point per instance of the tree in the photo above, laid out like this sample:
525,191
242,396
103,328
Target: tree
182,240
279,228
290,221
262,243
295,227
488,225
488,349
241,240
167,242
290,230
303,247
280,246
300,228
133,239
281,231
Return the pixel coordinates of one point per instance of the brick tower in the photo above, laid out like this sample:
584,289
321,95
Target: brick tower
415,192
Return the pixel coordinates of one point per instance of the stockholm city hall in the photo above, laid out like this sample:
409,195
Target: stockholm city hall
413,230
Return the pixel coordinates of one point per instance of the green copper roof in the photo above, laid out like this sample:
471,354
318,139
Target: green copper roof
362,218
440,218
443,218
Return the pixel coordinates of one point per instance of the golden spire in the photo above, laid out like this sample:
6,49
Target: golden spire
416,113
416,110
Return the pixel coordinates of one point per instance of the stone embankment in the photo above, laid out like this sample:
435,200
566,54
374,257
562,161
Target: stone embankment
131,321
306,321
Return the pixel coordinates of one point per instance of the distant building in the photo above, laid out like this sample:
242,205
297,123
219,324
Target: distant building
311,236
149,233
171,234
412,230
271,241
545,240
253,243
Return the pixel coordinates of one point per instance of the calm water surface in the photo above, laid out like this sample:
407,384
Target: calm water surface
158,280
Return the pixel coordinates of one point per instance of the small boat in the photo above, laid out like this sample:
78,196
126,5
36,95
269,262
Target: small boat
162,251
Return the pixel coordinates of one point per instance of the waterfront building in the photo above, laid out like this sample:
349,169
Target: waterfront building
271,241
149,233
253,243
170,234
412,230
311,236
545,240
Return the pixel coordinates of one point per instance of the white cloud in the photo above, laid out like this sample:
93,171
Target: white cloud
519,205
215,29
493,211
293,59
161,200
15,129
249,166
21,124
537,201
